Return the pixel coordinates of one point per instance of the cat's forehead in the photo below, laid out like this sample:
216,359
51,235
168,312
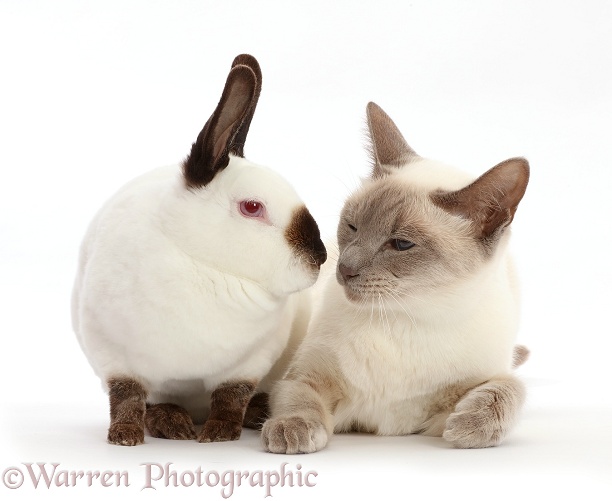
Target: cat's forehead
409,186
387,203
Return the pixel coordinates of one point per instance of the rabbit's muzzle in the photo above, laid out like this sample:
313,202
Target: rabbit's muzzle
303,236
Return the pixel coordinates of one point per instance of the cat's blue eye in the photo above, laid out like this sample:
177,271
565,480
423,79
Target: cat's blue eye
401,245
352,227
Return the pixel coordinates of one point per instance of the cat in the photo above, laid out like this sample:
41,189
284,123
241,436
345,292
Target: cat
414,330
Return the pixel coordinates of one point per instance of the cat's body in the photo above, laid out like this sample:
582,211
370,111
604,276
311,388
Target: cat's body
395,368
415,332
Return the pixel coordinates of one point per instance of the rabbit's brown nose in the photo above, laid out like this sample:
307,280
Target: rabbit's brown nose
319,252
347,272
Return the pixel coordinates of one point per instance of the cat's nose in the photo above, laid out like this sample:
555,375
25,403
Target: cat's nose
347,272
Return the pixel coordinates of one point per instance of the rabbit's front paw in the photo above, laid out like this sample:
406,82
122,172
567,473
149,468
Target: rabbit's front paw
293,435
125,434
218,430
169,421
257,411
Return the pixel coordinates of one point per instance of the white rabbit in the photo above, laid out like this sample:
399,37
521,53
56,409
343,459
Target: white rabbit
185,298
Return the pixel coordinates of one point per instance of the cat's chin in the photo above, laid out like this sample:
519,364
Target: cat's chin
356,297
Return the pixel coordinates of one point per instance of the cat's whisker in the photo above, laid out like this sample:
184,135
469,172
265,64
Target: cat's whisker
403,294
381,312
387,314
361,306
384,317
393,295
371,316
393,310
439,304
332,246
365,302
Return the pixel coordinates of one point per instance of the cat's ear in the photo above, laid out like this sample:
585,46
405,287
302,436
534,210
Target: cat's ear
388,148
490,201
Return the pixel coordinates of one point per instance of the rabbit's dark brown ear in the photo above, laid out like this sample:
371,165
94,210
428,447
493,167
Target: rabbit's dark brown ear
388,148
210,153
239,140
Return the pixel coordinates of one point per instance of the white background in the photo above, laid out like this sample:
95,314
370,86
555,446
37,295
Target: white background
95,93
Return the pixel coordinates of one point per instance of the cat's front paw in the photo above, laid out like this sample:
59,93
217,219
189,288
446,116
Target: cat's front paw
293,435
481,419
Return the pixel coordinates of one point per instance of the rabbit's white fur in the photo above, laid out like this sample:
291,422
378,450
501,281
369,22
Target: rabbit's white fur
207,295
181,292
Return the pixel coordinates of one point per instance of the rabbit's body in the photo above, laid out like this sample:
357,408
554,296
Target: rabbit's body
181,290
173,309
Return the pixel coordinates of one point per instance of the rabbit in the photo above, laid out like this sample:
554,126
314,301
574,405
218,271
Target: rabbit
191,283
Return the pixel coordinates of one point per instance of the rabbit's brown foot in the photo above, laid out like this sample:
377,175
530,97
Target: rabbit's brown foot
217,430
125,434
257,411
228,405
169,421
127,408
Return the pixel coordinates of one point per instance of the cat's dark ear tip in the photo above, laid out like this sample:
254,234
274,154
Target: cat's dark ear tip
372,107
521,167
521,161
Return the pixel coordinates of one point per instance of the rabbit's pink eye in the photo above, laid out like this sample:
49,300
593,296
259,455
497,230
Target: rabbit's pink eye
251,208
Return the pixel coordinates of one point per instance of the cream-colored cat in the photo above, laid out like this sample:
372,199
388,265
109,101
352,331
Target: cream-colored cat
414,333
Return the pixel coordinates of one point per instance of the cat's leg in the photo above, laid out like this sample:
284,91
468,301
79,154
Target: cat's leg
127,409
302,419
302,404
485,414
169,421
228,404
257,411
